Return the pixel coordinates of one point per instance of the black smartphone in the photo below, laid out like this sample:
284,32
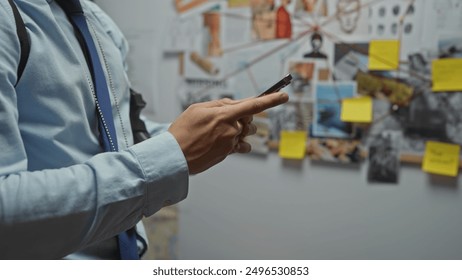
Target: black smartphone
278,86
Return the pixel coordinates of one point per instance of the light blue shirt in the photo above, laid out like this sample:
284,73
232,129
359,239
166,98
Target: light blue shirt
59,194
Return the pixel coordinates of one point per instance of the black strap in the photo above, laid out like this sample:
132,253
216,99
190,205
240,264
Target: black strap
137,104
23,40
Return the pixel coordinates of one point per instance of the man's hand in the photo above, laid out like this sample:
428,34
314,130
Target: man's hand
208,132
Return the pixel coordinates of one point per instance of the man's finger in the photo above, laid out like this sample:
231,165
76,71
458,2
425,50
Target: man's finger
256,105
246,119
252,129
242,148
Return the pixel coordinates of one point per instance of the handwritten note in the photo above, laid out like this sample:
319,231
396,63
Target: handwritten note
292,144
357,110
441,158
447,74
384,54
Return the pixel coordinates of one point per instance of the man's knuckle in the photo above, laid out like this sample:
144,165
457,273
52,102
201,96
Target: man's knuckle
226,100
193,106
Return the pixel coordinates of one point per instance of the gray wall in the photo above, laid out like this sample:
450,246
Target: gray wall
251,207
267,208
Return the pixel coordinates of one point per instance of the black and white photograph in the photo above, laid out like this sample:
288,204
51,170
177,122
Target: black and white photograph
450,46
384,158
290,116
192,91
349,58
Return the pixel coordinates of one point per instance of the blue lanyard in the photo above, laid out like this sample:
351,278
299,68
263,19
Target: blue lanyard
73,9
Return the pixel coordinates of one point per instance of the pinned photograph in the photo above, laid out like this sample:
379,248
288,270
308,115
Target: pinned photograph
201,66
348,13
292,116
301,86
316,47
450,47
263,19
397,92
327,110
349,58
336,150
435,116
384,155
349,18
192,91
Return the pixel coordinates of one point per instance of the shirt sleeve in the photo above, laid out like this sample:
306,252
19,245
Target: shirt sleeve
51,213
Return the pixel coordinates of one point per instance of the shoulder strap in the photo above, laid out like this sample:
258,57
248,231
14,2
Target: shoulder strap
23,40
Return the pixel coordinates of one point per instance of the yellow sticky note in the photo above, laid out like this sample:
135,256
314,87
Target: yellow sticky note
357,110
238,3
384,54
292,144
441,158
447,74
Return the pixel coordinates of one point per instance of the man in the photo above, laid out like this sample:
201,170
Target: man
60,195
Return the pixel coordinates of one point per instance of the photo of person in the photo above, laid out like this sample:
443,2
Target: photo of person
263,19
349,58
316,45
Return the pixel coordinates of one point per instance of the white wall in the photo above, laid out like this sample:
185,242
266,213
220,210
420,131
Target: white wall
252,207
256,208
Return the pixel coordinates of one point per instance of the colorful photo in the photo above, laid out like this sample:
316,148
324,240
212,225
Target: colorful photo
263,19
301,86
328,97
336,150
